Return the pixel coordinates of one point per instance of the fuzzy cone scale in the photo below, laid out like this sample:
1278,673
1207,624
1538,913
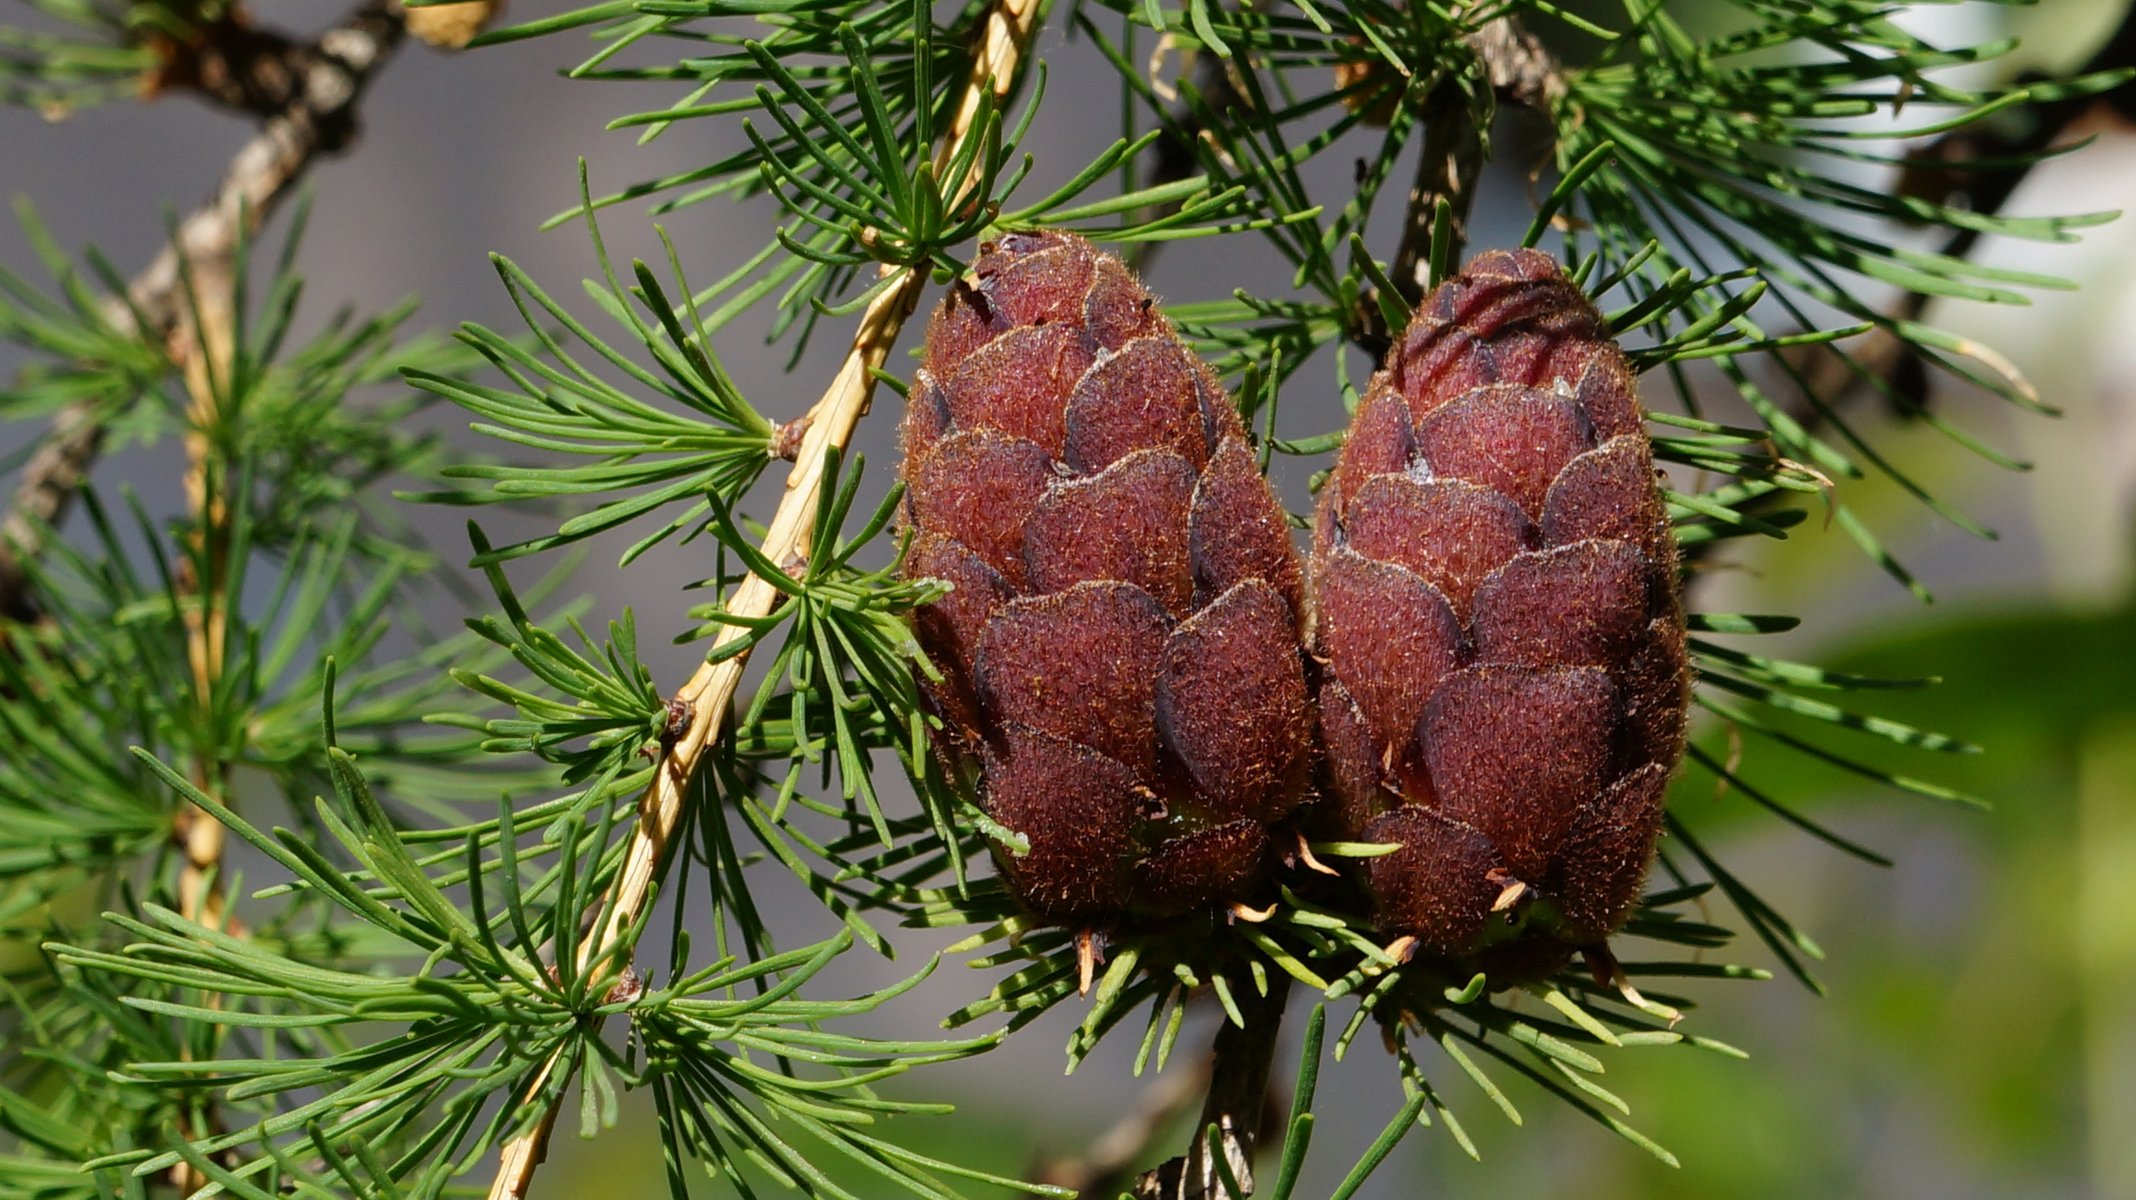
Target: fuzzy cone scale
1504,683
1120,654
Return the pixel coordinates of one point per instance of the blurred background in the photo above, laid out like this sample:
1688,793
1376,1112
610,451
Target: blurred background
1978,1035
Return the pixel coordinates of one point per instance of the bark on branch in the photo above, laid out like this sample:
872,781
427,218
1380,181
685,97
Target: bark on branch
1515,68
1004,37
1941,173
1109,1161
321,84
1828,381
1237,1106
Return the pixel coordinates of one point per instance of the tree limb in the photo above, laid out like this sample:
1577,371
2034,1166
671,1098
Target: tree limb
1513,66
306,95
1110,1158
1456,123
1942,173
1237,1105
1828,379
232,62
1175,156
1004,36
318,118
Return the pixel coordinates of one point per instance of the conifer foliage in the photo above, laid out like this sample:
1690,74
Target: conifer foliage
492,885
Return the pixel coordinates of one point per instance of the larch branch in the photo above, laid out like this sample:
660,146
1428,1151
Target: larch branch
1455,129
1004,38
1237,1105
319,118
1110,1159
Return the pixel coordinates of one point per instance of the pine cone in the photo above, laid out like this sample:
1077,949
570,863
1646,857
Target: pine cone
1120,656
1497,614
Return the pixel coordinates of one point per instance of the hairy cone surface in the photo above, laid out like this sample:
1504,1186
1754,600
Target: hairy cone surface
1120,653
1496,610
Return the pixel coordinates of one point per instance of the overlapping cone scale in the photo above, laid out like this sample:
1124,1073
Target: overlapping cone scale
1120,654
1496,615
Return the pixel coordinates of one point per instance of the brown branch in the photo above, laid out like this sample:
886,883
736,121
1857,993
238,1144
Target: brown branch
318,86
1237,1105
306,95
1110,1158
1213,82
208,335
49,480
232,62
1942,173
1512,66
1004,36
1456,125
319,118
1828,379
1517,66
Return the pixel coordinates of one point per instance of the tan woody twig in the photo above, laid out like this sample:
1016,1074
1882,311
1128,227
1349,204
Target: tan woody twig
829,425
306,95
1236,1106
205,577
317,117
1109,1161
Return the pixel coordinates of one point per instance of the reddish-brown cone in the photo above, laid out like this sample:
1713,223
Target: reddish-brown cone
1496,611
1120,655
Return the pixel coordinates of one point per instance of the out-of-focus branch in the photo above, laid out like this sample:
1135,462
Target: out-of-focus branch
1237,1105
306,95
1003,39
231,62
1175,155
205,575
324,82
1829,379
1942,173
1514,67
49,480
320,120
1110,1159
207,333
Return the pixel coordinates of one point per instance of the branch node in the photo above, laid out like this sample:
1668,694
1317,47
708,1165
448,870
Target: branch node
786,437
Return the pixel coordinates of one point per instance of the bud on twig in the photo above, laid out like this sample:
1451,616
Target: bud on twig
451,26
